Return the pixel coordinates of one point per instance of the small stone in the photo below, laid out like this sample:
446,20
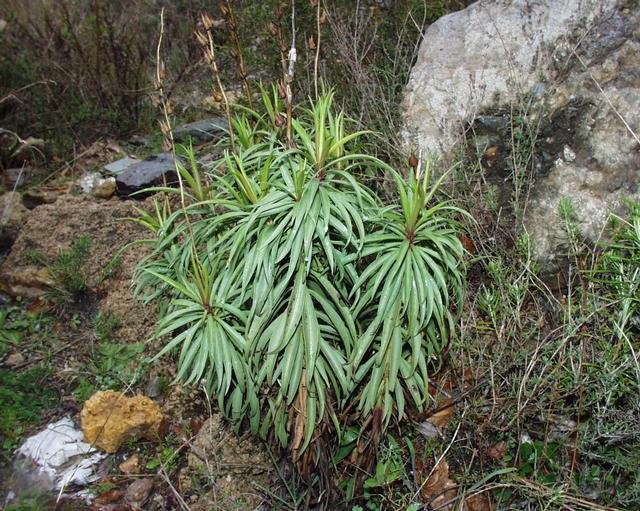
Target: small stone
154,387
538,90
105,188
27,282
185,484
138,492
109,418
568,154
497,451
17,176
88,182
93,183
36,197
131,465
15,359
139,141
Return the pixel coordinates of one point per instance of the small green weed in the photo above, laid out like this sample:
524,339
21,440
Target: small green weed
68,273
114,367
24,397
105,325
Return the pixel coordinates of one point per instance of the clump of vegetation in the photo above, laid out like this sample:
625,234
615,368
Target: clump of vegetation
68,273
113,365
25,394
304,303
553,362
24,399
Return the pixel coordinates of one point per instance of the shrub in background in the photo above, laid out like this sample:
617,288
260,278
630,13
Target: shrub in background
82,69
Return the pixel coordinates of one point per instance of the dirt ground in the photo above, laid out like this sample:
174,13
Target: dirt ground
200,468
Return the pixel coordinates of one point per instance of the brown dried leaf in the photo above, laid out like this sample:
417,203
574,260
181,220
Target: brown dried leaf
439,488
299,416
311,43
442,417
478,502
109,497
468,244
429,430
496,451
131,465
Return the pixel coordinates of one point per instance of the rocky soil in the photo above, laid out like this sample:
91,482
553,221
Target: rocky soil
187,464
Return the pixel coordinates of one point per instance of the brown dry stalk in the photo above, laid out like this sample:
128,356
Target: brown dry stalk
205,40
165,126
318,37
233,31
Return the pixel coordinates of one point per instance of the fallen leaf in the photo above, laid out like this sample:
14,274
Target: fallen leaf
109,497
14,360
468,245
439,488
478,502
443,414
36,305
131,465
429,430
496,451
311,43
196,425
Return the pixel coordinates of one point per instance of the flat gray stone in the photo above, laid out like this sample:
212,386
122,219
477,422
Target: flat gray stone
199,132
119,166
153,171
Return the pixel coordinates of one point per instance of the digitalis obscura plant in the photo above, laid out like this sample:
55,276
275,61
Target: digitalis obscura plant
302,302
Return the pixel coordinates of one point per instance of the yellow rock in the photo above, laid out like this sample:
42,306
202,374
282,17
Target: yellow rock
109,418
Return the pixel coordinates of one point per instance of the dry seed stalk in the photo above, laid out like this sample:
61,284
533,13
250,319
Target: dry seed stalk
233,32
287,61
206,42
165,126
318,5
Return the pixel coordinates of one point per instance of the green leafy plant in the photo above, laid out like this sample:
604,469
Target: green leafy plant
293,293
10,332
105,326
619,273
68,273
405,291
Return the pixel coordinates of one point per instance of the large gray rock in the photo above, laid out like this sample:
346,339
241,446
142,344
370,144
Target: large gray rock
578,63
487,54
